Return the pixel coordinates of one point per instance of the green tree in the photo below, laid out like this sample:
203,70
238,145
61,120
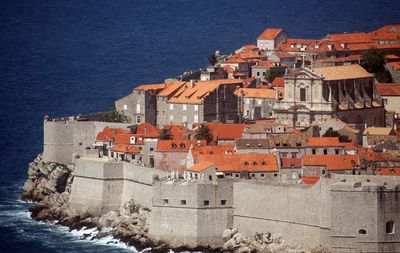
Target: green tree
165,134
212,59
374,62
332,133
114,116
204,133
271,74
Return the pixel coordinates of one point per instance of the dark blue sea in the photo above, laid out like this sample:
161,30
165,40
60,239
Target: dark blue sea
68,57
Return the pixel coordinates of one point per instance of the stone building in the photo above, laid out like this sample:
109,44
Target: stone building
390,93
270,38
140,106
261,68
314,96
202,101
256,103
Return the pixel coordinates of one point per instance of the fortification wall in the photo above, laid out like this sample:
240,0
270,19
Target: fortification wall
298,213
191,214
65,139
100,186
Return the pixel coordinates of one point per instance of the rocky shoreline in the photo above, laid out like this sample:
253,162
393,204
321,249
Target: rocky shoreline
49,186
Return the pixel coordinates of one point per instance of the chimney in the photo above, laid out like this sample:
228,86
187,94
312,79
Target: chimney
191,83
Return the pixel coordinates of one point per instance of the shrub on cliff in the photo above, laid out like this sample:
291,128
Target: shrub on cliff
114,116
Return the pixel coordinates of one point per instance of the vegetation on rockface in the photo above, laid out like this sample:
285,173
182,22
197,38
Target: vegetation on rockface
374,62
114,116
165,134
271,74
132,207
332,133
212,59
203,133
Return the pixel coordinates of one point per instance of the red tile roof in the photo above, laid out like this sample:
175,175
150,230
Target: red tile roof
108,134
242,162
199,167
291,163
178,145
356,37
212,150
270,33
256,93
389,171
147,130
310,180
388,89
158,86
278,82
332,162
370,155
323,142
128,149
226,131
178,131
391,57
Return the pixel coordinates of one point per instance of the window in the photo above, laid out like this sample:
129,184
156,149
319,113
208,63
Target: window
196,107
313,151
259,101
183,202
390,229
275,174
165,201
133,156
184,107
258,73
336,151
248,113
137,108
362,232
138,119
125,107
302,94
253,175
206,202
184,119
151,149
171,106
210,177
325,151
293,155
262,174
182,145
384,102
223,202
323,172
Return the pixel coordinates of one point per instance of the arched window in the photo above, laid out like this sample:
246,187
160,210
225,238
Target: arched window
263,163
173,145
246,163
254,163
182,145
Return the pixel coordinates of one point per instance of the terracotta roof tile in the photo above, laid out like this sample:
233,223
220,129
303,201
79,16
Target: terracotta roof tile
242,162
226,131
108,133
256,93
278,82
342,72
270,33
389,171
147,130
355,37
388,89
158,86
323,142
332,162
194,93
395,65
128,149
171,88
177,145
211,150
310,180
199,167
291,162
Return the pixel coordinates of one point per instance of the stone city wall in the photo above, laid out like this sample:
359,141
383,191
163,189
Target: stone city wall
100,186
65,139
